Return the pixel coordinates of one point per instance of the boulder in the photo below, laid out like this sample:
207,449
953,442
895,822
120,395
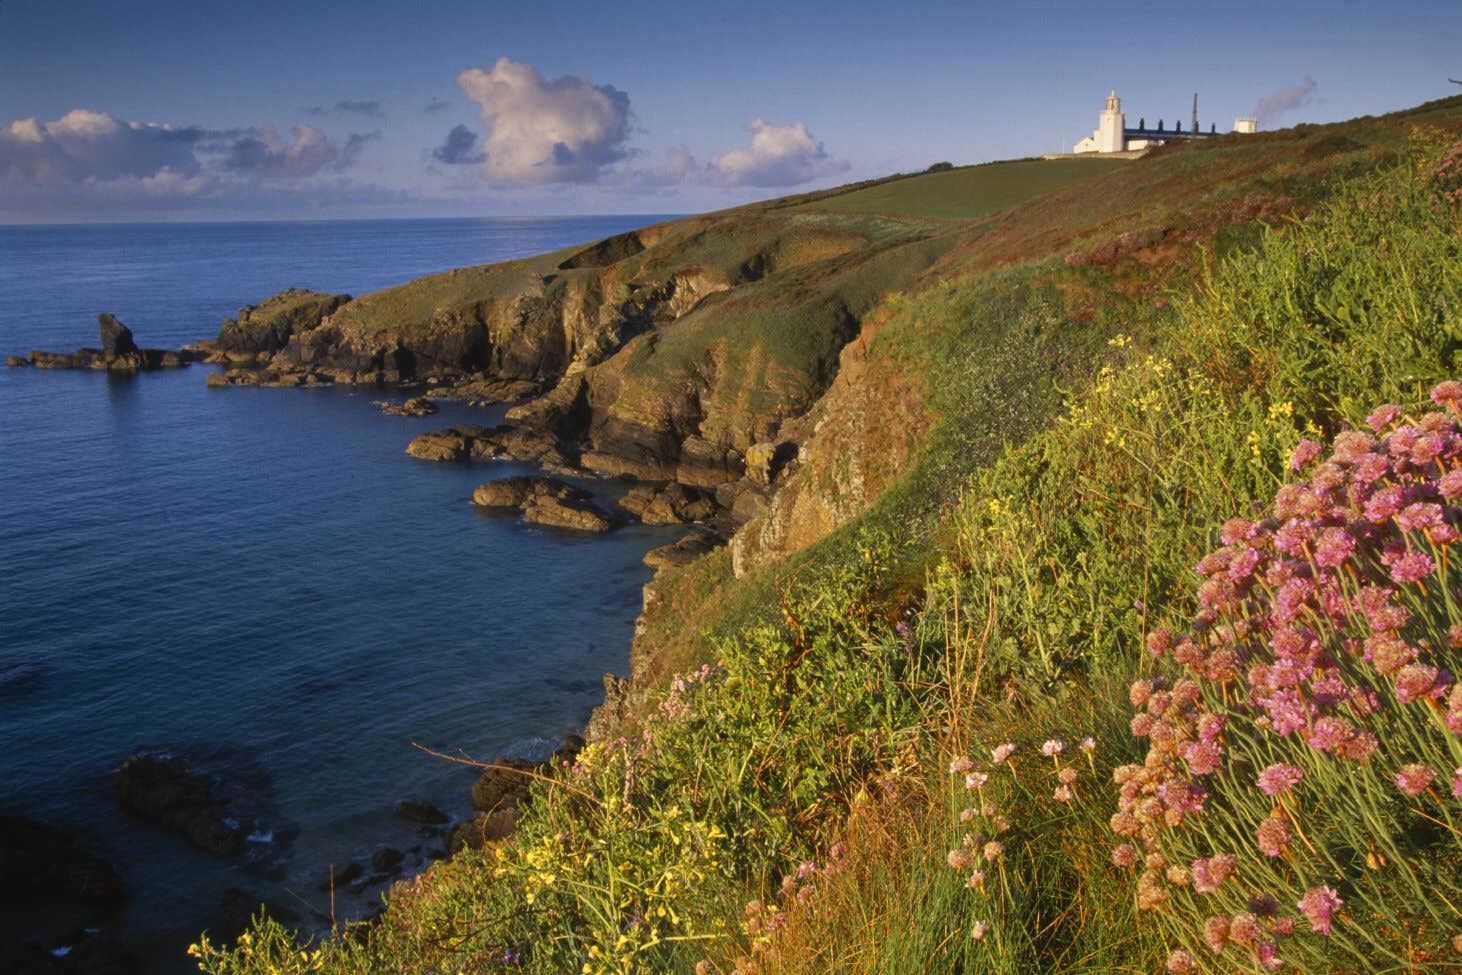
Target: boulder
164,792
684,551
440,446
17,360
419,811
416,406
41,862
506,492
116,338
504,784
672,504
560,513
387,860
336,879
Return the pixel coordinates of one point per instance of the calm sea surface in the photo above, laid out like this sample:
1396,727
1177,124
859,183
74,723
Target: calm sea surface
261,580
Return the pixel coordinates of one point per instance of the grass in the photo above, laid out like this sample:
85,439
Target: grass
969,191
790,805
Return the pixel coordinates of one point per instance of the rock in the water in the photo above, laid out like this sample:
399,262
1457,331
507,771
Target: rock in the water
17,360
672,504
40,862
568,752
505,492
416,406
559,513
441,445
164,792
341,877
116,338
504,784
419,811
387,860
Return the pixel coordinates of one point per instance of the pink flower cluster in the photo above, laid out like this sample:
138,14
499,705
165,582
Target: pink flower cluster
1308,627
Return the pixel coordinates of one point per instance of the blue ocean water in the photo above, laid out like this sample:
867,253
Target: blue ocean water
261,580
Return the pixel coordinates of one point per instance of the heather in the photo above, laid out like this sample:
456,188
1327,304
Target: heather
869,776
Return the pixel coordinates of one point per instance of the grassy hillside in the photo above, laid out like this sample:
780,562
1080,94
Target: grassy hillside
893,748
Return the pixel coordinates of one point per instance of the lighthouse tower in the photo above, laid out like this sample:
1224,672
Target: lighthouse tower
1109,135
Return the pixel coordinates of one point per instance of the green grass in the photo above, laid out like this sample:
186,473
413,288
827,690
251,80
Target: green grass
968,192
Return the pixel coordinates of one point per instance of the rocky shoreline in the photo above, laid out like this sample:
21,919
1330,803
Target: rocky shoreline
559,424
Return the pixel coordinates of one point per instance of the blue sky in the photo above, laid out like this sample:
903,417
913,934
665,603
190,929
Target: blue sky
201,110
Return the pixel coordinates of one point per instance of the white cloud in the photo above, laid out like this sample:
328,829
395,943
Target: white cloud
86,145
266,155
560,130
779,155
1284,100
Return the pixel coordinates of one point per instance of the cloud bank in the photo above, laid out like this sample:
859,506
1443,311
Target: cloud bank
368,109
540,130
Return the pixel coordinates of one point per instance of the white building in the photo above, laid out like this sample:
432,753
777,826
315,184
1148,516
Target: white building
1113,134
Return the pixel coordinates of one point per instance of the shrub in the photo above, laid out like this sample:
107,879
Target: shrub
1298,802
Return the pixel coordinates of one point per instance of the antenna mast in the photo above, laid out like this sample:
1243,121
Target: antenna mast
1195,111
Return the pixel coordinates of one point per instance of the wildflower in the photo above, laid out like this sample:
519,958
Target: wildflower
1411,566
1414,778
1209,875
960,859
1279,778
966,814
1126,854
975,780
1244,929
1088,744
979,930
1263,905
987,809
1415,682
1319,906
1334,547
960,765
1203,757
806,869
1265,952
1001,752
1151,892
1001,824
1215,933
1180,962
1304,452
1283,927
1067,775
1052,747
1062,793
1159,641
1273,836
1457,783
976,880
1383,416
1448,394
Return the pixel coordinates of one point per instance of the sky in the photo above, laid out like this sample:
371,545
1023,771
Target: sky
286,109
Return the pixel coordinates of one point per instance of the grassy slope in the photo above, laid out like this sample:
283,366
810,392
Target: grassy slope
821,723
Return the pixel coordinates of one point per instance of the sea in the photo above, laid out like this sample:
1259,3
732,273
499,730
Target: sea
261,582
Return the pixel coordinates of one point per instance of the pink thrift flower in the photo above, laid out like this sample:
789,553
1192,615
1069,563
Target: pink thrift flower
1414,778
1052,747
1209,875
1383,416
1244,928
1319,906
1267,956
1001,752
1279,778
1457,783
1215,933
1304,452
1411,566
1203,756
1333,548
1450,485
1273,836
1351,445
1415,682
975,780
1126,854
960,765
1181,963
1419,516
979,930
1062,793
1448,394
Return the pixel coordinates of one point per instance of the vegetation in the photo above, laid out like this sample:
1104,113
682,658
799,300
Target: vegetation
911,747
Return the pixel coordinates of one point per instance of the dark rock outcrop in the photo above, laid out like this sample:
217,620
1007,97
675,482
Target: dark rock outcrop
119,353
237,910
672,504
422,812
544,501
416,406
685,550
41,862
163,792
268,326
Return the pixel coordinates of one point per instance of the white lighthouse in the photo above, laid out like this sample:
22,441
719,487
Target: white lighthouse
1109,134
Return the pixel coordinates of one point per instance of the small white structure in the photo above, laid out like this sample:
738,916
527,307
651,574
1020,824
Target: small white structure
1113,134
